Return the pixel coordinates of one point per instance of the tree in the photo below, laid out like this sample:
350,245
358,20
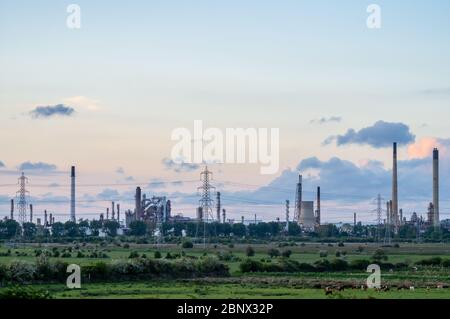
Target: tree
250,252
138,228
286,253
187,244
95,226
58,229
29,230
379,255
9,228
111,227
239,230
71,229
83,227
273,253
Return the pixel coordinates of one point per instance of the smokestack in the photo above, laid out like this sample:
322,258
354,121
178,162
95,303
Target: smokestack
436,187
287,217
242,219
394,208
354,219
118,212
224,216
51,219
392,217
401,216
218,206
12,208
107,213
138,203
298,207
45,217
102,217
199,214
72,194
318,206
113,213
31,213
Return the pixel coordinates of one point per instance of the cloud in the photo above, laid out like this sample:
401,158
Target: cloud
40,166
325,120
108,194
179,167
437,91
424,147
50,111
381,134
83,102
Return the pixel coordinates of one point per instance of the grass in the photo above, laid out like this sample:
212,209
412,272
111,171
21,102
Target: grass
261,285
194,290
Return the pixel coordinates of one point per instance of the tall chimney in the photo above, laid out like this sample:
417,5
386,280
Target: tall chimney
72,194
394,208
224,215
436,187
138,203
51,218
298,199
113,212
118,212
218,206
354,219
31,213
287,217
45,217
318,206
12,208
107,213
242,219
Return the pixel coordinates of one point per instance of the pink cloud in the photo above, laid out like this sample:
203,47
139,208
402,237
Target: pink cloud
424,147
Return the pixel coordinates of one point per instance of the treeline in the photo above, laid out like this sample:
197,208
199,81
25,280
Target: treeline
292,266
42,270
90,230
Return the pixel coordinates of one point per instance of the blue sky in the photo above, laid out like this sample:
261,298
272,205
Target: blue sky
137,70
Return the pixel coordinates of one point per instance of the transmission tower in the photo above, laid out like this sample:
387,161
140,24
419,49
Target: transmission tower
387,233
22,200
206,203
379,217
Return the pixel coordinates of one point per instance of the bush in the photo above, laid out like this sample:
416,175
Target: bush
157,255
446,263
286,253
126,246
250,252
341,244
22,271
25,293
434,261
133,254
379,255
273,253
187,245
250,265
323,254
359,264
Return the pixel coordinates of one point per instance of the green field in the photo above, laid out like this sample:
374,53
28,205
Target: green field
258,285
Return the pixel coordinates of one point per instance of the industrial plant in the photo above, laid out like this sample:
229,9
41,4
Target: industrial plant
157,210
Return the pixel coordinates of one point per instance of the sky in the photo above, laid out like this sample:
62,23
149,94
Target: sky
106,98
